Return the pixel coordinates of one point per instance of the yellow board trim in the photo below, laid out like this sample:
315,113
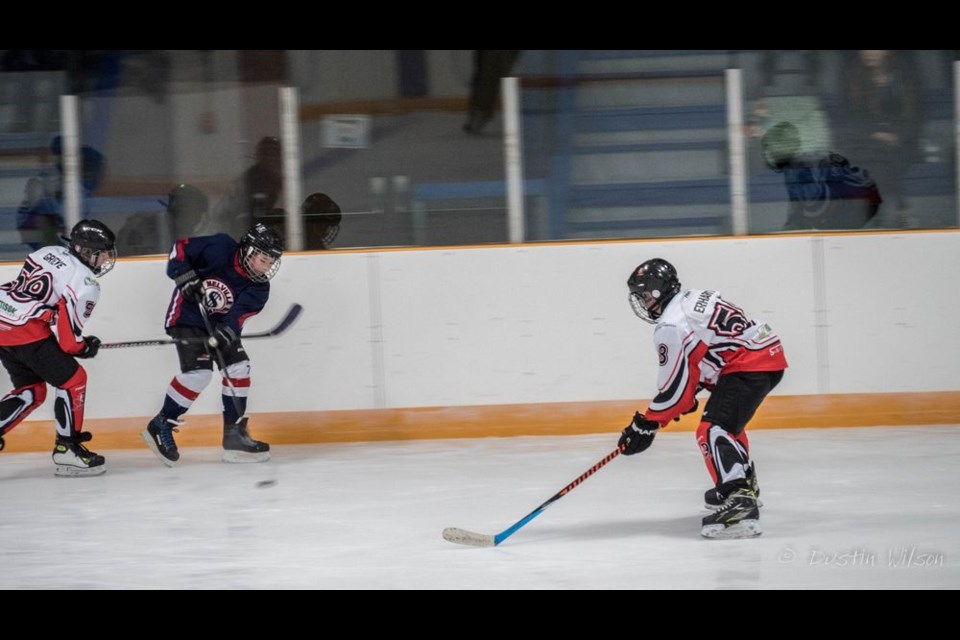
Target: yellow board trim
552,419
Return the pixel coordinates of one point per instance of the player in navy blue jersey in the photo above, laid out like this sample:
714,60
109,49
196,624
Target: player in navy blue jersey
231,281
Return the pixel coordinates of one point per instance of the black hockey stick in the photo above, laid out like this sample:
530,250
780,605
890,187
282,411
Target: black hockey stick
462,536
215,347
292,314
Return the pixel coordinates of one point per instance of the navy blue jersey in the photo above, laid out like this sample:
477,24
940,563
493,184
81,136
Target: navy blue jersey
229,296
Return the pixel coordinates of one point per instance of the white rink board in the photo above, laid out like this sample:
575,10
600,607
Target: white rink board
546,323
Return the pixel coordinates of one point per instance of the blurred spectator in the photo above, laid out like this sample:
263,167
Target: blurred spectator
40,215
254,194
321,221
880,119
489,66
150,233
825,190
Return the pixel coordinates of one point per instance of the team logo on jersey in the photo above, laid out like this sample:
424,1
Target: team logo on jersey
728,320
217,296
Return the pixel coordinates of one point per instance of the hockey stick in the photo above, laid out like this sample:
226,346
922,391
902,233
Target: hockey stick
292,313
215,347
462,536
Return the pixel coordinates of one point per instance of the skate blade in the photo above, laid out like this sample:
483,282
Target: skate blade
743,529
68,471
244,456
153,447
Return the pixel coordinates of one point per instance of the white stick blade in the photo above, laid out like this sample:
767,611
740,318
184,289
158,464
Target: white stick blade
462,536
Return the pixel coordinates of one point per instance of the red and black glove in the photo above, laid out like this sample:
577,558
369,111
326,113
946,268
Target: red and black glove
91,345
638,436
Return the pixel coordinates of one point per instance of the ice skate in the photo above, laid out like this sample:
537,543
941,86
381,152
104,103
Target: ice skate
713,500
738,517
73,459
159,437
238,446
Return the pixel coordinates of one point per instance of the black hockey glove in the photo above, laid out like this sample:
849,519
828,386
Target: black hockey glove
638,436
225,336
191,288
91,345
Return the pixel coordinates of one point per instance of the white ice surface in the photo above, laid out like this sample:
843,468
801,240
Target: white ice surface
873,508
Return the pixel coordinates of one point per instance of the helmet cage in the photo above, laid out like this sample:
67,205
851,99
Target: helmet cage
248,258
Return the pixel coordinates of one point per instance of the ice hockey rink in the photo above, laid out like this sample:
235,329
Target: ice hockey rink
851,508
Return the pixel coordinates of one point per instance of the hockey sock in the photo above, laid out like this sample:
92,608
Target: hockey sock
236,385
183,391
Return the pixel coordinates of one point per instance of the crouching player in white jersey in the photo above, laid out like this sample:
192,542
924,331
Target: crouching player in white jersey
705,342
42,315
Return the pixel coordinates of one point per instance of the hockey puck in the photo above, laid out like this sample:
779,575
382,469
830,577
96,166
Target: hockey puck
263,484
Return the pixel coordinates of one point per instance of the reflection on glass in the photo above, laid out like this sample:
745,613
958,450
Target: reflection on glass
825,190
40,216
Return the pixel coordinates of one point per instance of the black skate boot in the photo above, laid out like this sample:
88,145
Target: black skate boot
73,459
159,437
737,517
712,499
238,446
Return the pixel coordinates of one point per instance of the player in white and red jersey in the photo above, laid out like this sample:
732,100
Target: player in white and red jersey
705,342
42,315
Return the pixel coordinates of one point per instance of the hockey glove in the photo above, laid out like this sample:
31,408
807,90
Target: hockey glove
638,436
91,345
225,336
191,288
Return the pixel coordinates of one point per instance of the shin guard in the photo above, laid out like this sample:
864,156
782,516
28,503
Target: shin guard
726,458
19,403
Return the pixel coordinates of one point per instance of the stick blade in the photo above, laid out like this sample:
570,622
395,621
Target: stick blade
469,538
292,314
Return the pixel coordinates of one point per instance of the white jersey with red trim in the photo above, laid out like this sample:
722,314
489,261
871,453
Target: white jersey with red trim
53,286
700,336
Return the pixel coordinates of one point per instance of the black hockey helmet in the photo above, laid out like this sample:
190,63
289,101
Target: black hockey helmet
323,214
260,251
186,199
89,241
186,205
658,279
